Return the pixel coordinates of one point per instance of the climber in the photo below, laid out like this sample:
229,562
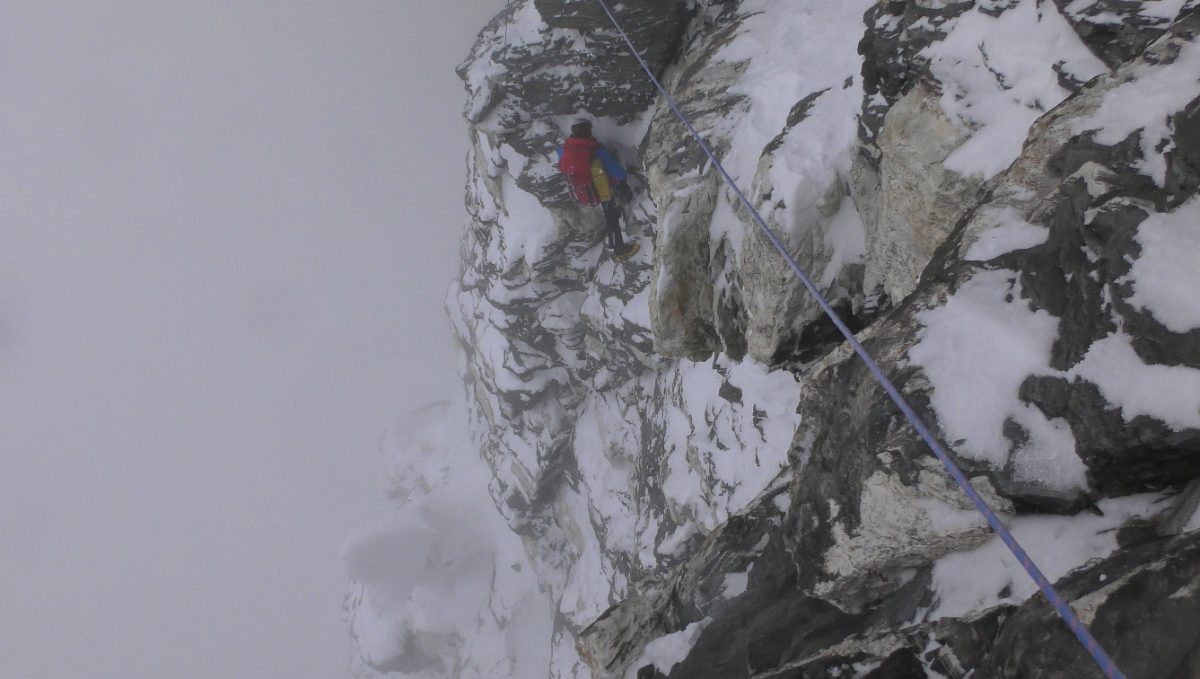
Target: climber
595,177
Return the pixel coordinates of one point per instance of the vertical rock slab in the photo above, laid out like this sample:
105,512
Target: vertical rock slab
783,128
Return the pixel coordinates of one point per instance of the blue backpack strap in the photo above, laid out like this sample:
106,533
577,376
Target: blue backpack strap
611,167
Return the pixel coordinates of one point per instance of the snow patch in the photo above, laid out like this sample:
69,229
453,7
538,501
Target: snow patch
1146,101
445,583
1011,233
526,227
976,350
816,151
998,78
721,455
1166,10
1167,393
972,581
735,584
1166,276
1192,523
666,651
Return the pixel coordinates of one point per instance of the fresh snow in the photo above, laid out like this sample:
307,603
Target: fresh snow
717,470
606,454
592,585
675,542
816,153
666,651
1167,393
976,350
1161,9
526,227
985,341
971,581
735,584
1010,233
725,226
1166,276
1146,101
998,78
1192,523
523,28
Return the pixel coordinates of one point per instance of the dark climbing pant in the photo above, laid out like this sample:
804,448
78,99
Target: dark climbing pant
612,225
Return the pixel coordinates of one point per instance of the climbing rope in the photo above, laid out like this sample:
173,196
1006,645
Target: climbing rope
1060,605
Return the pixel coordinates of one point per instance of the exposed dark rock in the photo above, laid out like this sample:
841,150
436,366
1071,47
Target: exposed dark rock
1183,161
729,392
1122,456
525,90
903,664
964,641
1140,604
1116,30
897,31
771,624
867,477
696,589
1185,511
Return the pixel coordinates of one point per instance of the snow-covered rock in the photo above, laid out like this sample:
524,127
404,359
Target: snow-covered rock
1001,198
784,134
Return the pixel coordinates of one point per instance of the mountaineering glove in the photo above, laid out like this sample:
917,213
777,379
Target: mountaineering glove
622,192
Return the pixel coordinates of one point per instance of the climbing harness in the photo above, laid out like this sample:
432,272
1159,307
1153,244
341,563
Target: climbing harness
1060,605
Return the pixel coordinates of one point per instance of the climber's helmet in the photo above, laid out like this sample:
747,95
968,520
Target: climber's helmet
581,128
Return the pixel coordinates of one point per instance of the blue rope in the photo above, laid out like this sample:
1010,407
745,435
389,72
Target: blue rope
1060,605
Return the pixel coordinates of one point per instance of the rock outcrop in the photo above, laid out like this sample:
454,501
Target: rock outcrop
1000,197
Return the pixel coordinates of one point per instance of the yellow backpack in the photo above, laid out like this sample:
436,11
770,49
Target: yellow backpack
600,180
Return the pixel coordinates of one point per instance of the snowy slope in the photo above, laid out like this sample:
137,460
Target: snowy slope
444,588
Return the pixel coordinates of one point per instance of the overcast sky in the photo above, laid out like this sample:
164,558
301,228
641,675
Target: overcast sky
226,230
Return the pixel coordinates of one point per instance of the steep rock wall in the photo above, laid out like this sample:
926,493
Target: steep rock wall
706,482
1025,293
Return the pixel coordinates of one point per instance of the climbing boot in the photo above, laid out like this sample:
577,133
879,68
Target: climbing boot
628,252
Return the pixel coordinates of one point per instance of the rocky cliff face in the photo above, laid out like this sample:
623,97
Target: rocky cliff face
1000,198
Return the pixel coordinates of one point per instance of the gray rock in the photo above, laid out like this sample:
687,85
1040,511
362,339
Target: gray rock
897,32
693,591
920,201
684,311
869,501
1116,30
1140,604
1080,275
721,287
1185,516
858,517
